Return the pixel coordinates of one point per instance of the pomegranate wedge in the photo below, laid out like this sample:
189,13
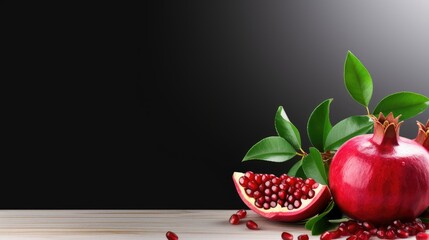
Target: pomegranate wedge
284,198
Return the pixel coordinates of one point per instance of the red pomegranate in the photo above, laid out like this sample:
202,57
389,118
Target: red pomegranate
381,177
281,198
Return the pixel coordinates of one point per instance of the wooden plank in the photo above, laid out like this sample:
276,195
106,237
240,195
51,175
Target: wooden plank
136,224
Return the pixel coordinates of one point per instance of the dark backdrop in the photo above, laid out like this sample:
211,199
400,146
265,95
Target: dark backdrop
155,105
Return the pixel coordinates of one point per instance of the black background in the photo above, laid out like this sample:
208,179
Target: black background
154,105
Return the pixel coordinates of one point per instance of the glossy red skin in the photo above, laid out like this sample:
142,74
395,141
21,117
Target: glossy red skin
380,183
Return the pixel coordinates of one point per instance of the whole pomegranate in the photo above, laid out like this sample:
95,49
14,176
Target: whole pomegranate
381,177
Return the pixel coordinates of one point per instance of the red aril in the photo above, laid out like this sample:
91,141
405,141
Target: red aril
241,213
250,224
422,236
303,237
234,219
355,230
381,177
283,198
287,236
171,235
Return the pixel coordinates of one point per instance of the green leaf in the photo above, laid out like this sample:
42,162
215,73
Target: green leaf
319,125
322,222
286,129
425,220
322,225
310,223
346,129
408,104
357,79
273,149
313,166
296,170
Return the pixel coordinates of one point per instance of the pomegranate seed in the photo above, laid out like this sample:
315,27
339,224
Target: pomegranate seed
402,233
367,226
282,194
336,233
241,213
297,194
290,181
342,229
305,189
250,175
287,236
303,237
352,227
381,233
171,235
266,206
234,219
411,230
352,237
275,181
258,179
274,197
422,236
397,223
275,188
243,181
420,227
309,181
326,236
297,203
267,199
249,192
257,194
251,225
364,235
265,178
311,193
390,234
252,185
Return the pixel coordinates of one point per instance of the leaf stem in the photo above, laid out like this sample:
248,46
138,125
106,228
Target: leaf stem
367,111
302,153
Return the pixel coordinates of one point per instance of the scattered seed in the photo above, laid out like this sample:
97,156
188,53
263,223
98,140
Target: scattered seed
251,225
241,213
287,236
303,237
171,235
234,219
422,236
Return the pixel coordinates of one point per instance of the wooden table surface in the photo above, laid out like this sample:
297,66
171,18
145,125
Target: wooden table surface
136,225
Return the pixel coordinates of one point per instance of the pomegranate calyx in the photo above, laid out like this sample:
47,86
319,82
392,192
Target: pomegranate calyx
423,134
386,129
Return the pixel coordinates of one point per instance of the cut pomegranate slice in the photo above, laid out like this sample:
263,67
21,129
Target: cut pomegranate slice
284,198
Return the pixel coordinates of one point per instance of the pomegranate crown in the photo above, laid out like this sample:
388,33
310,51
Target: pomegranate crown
423,134
386,128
